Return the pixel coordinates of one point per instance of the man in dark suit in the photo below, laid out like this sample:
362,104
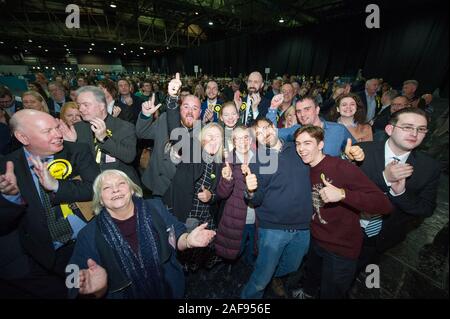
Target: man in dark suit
370,99
212,105
38,189
409,178
253,105
112,141
127,100
57,99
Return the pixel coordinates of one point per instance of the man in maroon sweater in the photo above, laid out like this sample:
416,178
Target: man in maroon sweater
341,192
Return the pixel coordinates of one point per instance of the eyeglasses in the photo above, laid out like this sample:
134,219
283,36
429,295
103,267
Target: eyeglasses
242,138
412,129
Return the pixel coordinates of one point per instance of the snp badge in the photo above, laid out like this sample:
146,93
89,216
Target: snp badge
59,168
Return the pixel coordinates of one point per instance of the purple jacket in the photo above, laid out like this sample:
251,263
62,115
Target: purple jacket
231,225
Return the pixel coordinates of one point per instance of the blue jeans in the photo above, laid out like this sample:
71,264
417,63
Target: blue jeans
280,252
248,244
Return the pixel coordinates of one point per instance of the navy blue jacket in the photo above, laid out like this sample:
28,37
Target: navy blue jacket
283,198
91,244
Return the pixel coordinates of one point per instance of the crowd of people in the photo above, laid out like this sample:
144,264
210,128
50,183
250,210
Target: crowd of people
139,181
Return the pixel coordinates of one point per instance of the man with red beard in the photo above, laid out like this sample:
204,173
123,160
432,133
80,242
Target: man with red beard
38,180
158,175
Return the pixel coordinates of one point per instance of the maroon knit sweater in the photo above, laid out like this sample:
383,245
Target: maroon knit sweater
342,234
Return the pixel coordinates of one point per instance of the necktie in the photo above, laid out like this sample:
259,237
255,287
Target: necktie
249,120
374,226
59,227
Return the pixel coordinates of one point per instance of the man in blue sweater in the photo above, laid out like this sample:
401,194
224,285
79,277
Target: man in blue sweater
281,195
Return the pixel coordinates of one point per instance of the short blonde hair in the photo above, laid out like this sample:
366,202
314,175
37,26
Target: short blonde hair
39,97
97,205
203,132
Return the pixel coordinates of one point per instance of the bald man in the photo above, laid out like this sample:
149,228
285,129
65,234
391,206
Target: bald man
252,105
37,179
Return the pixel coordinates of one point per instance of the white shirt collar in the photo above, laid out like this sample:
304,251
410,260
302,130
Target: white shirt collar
389,155
111,106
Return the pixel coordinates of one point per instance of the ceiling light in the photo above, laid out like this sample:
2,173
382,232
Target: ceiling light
113,5
26,50
114,48
29,40
65,45
40,46
109,51
121,44
142,48
92,44
46,50
210,23
145,53
281,20
1,42
53,67
196,13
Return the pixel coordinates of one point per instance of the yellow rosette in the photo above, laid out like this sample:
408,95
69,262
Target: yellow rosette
243,106
61,169
217,108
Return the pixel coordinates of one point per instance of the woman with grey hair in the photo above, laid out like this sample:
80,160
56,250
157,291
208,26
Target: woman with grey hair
128,251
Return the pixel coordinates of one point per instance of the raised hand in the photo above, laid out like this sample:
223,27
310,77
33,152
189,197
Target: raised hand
8,181
395,171
208,116
174,85
205,195
250,179
116,111
227,173
354,152
69,133
200,236
330,193
256,99
93,280
149,108
47,181
277,100
237,99
98,126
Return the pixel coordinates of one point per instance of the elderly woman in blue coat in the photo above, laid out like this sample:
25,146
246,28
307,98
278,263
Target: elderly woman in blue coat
128,251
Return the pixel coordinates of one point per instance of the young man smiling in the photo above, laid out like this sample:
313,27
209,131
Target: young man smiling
340,192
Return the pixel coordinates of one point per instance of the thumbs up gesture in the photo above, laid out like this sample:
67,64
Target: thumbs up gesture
226,172
250,179
353,152
8,181
174,85
205,195
330,193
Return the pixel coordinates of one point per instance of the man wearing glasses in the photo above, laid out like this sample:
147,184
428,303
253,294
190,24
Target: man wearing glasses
409,177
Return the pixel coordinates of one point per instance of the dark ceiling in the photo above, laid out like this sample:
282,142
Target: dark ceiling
153,27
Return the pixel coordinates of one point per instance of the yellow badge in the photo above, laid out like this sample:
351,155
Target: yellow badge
217,108
108,133
59,168
243,106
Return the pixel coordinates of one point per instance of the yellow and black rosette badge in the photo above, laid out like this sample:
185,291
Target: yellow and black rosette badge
217,108
59,168
243,106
